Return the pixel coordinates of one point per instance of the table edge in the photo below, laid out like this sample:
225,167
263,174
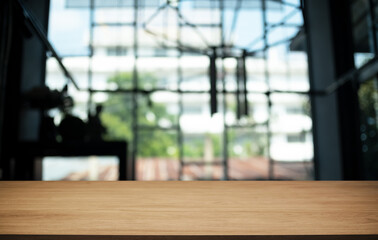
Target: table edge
187,237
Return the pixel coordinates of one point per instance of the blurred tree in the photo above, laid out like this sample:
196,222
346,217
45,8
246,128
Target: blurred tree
247,144
117,118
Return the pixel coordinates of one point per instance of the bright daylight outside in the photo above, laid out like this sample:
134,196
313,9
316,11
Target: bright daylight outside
199,89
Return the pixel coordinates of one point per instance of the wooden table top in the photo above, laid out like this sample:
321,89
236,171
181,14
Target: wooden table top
188,210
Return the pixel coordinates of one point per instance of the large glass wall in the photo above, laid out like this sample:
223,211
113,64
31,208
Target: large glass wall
149,64
364,28
368,97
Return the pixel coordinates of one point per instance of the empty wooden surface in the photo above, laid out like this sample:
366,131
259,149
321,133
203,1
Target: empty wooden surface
188,210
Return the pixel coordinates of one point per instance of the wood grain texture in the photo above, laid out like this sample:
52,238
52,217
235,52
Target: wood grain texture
188,210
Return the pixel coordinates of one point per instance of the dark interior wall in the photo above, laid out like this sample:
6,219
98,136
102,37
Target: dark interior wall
23,67
11,57
4,43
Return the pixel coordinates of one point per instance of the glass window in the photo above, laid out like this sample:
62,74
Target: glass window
69,28
157,155
296,138
116,51
80,168
149,69
364,24
368,98
248,153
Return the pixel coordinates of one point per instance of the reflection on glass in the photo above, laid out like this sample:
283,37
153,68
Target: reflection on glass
368,98
364,31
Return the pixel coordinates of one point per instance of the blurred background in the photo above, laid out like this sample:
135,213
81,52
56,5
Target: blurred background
188,90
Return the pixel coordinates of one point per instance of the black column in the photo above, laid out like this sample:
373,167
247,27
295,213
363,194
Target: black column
326,132
347,94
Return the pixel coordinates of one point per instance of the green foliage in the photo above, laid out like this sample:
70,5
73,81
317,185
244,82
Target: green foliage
216,141
118,116
368,100
116,127
194,148
251,143
367,97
